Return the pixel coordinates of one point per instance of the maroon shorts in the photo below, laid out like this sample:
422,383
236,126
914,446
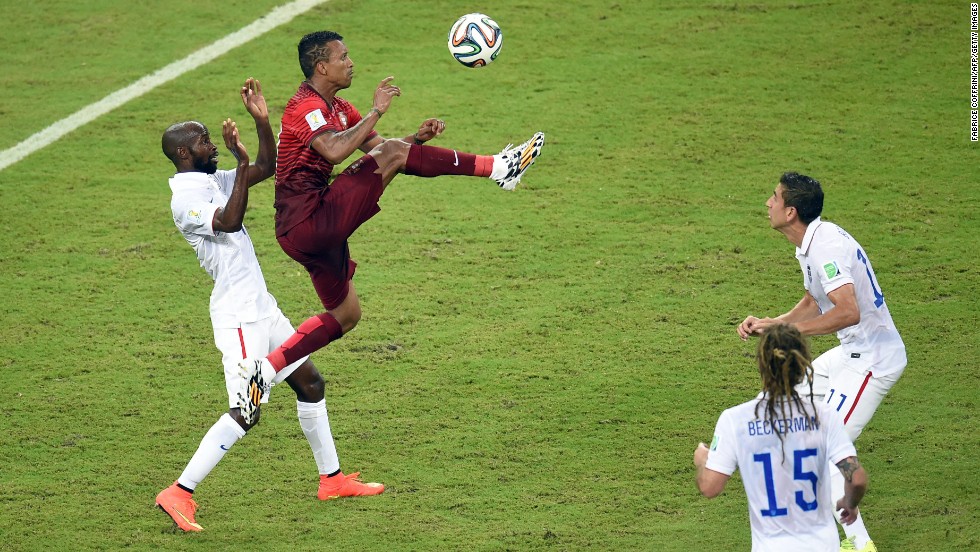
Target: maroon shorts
319,243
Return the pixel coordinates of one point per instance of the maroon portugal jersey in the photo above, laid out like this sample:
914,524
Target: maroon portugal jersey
302,174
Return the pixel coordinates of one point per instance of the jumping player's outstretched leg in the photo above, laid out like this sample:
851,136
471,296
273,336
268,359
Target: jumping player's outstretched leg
506,168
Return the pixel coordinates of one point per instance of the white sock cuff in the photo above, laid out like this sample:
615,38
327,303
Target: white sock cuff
311,410
499,169
230,423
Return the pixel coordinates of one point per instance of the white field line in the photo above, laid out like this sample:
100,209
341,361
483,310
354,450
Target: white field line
89,113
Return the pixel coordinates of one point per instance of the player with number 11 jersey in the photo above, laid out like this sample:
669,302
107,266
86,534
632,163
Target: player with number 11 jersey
830,258
843,297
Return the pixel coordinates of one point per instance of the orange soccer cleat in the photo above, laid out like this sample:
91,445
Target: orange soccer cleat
346,485
179,505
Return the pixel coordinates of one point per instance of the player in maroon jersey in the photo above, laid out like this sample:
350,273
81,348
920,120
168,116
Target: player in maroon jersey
315,216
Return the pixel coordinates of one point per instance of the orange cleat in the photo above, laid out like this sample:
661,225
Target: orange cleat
346,485
179,505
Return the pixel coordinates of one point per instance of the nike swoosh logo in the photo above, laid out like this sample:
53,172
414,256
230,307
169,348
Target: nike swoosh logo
222,447
456,163
181,514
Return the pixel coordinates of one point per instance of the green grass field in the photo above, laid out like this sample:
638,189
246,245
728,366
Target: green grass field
533,369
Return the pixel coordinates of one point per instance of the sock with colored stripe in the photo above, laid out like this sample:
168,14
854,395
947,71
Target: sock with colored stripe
217,441
429,161
314,334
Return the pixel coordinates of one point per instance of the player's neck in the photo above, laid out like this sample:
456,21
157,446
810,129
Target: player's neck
326,91
794,232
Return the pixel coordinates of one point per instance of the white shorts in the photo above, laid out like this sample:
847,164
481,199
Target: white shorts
850,386
253,340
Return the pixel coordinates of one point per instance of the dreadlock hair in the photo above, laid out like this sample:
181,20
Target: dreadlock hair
784,362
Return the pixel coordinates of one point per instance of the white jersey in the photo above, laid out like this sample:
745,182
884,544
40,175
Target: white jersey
830,258
239,293
787,484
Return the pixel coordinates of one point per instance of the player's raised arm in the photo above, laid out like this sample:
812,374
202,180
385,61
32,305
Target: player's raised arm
265,160
229,218
335,147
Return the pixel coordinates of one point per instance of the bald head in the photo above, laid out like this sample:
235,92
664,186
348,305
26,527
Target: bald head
188,146
180,134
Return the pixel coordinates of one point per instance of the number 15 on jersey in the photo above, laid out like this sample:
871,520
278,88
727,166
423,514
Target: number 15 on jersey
799,474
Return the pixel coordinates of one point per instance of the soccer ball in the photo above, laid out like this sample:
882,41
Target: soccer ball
475,40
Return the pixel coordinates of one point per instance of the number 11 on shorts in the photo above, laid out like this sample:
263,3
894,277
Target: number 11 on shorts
830,397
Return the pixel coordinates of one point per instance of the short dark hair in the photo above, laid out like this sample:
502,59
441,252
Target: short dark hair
313,47
803,193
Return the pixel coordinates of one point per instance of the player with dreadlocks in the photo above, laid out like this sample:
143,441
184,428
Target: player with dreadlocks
783,454
784,362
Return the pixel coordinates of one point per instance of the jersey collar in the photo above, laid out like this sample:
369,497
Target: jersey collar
184,181
330,106
808,236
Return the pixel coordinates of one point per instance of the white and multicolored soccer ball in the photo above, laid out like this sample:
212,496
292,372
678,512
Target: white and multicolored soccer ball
475,40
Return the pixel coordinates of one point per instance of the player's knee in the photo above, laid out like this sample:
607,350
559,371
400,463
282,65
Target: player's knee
355,317
307,383
236,415
310,392
390,153
348,317
312,388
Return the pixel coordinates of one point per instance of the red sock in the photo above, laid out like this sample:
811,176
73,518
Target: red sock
429,161
312,335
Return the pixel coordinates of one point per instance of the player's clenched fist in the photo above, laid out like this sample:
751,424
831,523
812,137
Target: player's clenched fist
746,328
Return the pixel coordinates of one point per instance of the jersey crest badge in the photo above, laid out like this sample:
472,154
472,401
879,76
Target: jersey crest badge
714,443
831,270
315,119
194,215
343,118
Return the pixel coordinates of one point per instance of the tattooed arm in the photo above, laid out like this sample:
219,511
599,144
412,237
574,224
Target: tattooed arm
855,484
